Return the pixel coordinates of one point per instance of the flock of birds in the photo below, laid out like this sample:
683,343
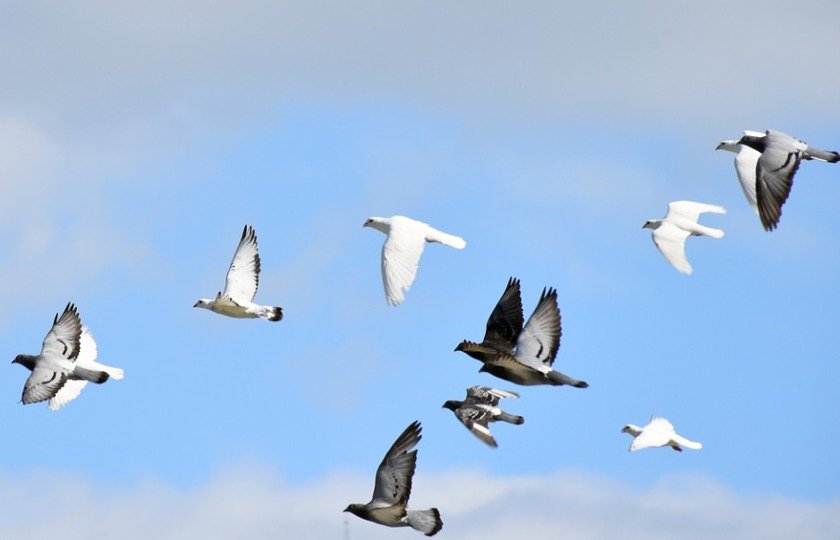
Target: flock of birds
510,350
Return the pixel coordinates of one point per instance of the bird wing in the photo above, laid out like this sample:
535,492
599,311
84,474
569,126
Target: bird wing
476,419
691,210
63,338
487,395
393,477
746,161
538,342
774,178
657,433
243,276
505,322
400,257
86,358
670,240
42,384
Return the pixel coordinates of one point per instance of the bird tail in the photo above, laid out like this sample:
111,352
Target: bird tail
682,441
558,379
427,522
822,155
113,372
275,313
510,418
91,375
434,235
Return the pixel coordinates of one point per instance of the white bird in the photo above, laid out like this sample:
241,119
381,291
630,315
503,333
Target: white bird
779,159
657,433
393,488
480,408
57,364
402,249
746,160
241,284
86,359
669,233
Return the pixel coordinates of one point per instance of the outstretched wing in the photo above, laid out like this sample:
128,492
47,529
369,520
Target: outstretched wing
243,276
691,210
42,384
670,240
746,161
400,256
539,340
73,387
63,338
476,419
487,395
393,477
505,323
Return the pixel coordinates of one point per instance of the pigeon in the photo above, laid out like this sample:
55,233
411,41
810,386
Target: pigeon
746,159
57,364
528,362
393,488
659,432
402,249
780,156
480,408
86,359
669,233
241,284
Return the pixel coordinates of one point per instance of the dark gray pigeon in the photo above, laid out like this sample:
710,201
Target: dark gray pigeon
780,157
480,408
393,488
57,362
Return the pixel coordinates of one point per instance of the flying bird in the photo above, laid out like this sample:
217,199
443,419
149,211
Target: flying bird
779,159
746,159
393,488
402,249
243,278
659,432
58,364
86,359
480,408
526,357
669,233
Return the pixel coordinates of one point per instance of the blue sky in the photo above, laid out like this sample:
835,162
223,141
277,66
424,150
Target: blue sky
139,141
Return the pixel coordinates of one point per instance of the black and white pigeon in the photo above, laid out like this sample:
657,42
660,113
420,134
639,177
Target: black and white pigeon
775,168
746,160
243,278
529,361
57,364
402,250
393,488
482,407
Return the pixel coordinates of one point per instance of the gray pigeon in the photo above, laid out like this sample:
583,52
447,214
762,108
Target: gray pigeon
393,488
780,157
530,361
480,408
57,362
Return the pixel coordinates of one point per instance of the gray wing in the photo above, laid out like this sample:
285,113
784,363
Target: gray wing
43,384
63,338
539,340
487,395
243,276
476,419
774,173
393,477
505,322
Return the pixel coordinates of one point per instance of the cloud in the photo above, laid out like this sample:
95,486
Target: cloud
254,502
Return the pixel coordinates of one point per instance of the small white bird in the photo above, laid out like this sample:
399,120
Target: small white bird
779,159
402,249
746,160
241,284
480,408
658,433
669,233
86,359
58,364
393,488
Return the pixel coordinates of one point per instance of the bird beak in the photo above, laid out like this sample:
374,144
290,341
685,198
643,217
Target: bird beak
195,305
719,146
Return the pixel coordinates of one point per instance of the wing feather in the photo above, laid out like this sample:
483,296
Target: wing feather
539,341
243,277
394,475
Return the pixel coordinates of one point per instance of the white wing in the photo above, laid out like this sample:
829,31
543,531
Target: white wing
63,338
400,256
539,340
670,240
691,210
657,433
87,359
745,165
243,276
394,475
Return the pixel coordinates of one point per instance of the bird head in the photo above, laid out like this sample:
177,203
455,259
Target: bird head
26,360
202,302
652,224
378,223
451,404
729,145
354,508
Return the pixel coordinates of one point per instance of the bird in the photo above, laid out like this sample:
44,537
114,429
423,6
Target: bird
679,223
480,408
402,250
392,489
86,359
57,364
779,159
526,357
243,278
657,433
746,159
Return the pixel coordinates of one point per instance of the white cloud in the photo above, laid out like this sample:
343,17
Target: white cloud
253,502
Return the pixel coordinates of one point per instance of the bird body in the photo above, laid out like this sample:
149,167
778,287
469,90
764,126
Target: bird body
669,234
480,408
241,285
402,249
392,489
657,433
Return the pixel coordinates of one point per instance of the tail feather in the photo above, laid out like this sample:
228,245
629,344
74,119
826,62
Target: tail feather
275,313
822,155
510,418
559,378
434,235
427,522
682,441
113,372
91,375
714,233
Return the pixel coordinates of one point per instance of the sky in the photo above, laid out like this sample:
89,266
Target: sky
138,140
